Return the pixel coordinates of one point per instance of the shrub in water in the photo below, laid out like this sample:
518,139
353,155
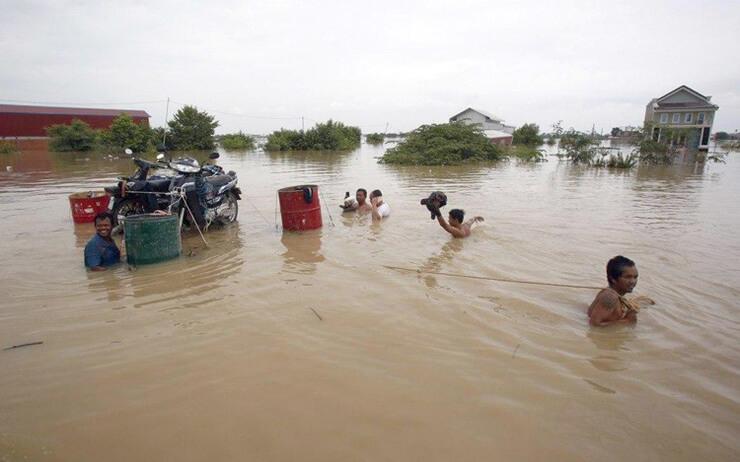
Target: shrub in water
375,138
329,136
77,136
526,154
7,147
443,144
579,148
236,141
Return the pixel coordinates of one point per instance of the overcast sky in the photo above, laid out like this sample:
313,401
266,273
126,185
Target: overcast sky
259,66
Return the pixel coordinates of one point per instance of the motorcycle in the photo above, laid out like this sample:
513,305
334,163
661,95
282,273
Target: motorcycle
210,194
207,196
125,201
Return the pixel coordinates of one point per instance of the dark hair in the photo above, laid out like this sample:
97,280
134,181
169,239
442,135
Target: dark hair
458,214
364,191
104,216
376,193
616,266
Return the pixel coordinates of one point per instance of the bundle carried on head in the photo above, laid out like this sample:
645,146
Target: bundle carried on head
434,202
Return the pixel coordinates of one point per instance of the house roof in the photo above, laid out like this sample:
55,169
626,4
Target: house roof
487,114
705,104
79,111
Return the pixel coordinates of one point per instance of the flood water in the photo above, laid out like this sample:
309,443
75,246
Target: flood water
221,355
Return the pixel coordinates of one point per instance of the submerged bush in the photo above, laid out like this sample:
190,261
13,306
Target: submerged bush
375,138
655,152
7,147
443,144
528,135
731,145
579,148
77,136
329,136
236,141
526,154
616,161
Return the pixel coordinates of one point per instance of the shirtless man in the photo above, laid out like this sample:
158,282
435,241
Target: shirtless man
456,226
362,204
610,307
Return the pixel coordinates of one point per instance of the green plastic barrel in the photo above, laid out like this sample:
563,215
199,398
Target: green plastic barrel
151,238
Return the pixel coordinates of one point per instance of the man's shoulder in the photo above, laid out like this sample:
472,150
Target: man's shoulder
93,242
608,298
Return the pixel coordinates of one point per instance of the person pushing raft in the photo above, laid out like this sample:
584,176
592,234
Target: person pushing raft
610,305
455,224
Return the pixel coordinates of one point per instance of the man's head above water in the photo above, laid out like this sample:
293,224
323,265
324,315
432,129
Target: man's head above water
361,195
456,217
621,272
104,224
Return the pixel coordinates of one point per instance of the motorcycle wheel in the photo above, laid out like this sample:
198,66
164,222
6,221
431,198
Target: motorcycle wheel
125,208
232,212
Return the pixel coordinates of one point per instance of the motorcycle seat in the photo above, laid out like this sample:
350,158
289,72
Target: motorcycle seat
158,185
218,180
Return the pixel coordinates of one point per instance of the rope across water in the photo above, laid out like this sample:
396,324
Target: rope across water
486,278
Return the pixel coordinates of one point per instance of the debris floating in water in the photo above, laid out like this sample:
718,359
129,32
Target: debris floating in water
317,314
22,345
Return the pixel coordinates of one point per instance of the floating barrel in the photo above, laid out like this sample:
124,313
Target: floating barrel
300,208
151,238
85,205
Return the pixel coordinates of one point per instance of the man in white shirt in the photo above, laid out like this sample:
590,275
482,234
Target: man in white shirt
380,209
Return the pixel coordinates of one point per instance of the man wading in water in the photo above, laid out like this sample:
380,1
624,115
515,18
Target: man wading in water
101,252
610,306
456,227
361,205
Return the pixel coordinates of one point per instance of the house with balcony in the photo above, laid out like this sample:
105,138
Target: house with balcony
493,127
685,115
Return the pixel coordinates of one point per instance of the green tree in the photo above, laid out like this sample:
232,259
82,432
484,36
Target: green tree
443,144
125,133
77,136
721,136
528,135
191,129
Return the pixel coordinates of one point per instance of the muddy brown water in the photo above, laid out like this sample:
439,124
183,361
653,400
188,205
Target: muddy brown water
219,355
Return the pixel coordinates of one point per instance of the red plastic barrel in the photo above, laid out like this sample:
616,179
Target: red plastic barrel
300,208
85,205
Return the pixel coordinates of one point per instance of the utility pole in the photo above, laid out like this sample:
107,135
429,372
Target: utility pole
166,115
386,128
302,124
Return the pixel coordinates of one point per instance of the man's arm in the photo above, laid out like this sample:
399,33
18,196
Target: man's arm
604,307
375,209
450,229
474,220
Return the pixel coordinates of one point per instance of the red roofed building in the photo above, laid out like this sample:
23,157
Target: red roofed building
31,121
